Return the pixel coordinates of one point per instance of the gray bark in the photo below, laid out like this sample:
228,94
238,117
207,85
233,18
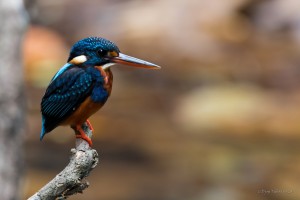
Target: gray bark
71,180
12,26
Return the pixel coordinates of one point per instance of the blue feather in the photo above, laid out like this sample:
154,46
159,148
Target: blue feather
61,70
99,94
43,131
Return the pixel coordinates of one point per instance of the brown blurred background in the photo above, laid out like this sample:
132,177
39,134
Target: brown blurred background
220,120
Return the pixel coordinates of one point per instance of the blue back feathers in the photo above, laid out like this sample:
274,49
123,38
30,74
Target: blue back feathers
67,91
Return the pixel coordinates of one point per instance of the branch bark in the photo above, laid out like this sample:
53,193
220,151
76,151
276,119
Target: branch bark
71,180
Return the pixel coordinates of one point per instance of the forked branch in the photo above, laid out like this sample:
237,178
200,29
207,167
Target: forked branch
71,181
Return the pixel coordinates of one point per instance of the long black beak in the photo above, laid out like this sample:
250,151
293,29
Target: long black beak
135,62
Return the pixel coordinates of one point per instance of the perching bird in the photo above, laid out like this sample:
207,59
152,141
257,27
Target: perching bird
81,87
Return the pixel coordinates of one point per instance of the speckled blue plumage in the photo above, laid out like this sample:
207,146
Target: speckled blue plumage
67,92
89,46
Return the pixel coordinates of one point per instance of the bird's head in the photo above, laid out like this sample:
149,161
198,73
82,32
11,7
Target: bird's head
96,51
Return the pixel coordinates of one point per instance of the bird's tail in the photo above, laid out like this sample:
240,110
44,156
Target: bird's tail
43,131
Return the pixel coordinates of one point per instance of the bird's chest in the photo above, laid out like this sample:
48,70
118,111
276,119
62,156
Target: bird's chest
107,78
103,86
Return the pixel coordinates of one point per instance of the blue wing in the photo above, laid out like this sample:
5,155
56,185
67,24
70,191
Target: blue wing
62,70
67,90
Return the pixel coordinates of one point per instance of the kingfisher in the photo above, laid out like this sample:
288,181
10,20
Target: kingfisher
82,86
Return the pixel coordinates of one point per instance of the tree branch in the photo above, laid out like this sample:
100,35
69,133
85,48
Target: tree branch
71,180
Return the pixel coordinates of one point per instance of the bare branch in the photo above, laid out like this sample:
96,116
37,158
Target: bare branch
71,180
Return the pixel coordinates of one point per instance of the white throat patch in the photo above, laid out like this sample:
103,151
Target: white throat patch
107,65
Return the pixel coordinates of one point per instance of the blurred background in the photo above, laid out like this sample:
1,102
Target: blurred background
220,120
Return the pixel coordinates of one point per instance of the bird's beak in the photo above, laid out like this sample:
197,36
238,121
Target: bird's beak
135,62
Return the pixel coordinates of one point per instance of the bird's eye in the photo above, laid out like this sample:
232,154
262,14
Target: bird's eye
101,52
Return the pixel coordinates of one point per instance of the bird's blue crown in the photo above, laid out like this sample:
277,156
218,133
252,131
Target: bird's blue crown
92,44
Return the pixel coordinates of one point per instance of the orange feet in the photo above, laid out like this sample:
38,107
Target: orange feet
90,125
82,134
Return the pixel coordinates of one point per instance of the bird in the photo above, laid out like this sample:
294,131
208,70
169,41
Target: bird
82,86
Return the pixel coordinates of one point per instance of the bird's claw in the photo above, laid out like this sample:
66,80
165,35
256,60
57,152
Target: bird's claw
89,125
82,135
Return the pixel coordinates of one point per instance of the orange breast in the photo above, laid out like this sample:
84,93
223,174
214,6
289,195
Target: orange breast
109,78
83,112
